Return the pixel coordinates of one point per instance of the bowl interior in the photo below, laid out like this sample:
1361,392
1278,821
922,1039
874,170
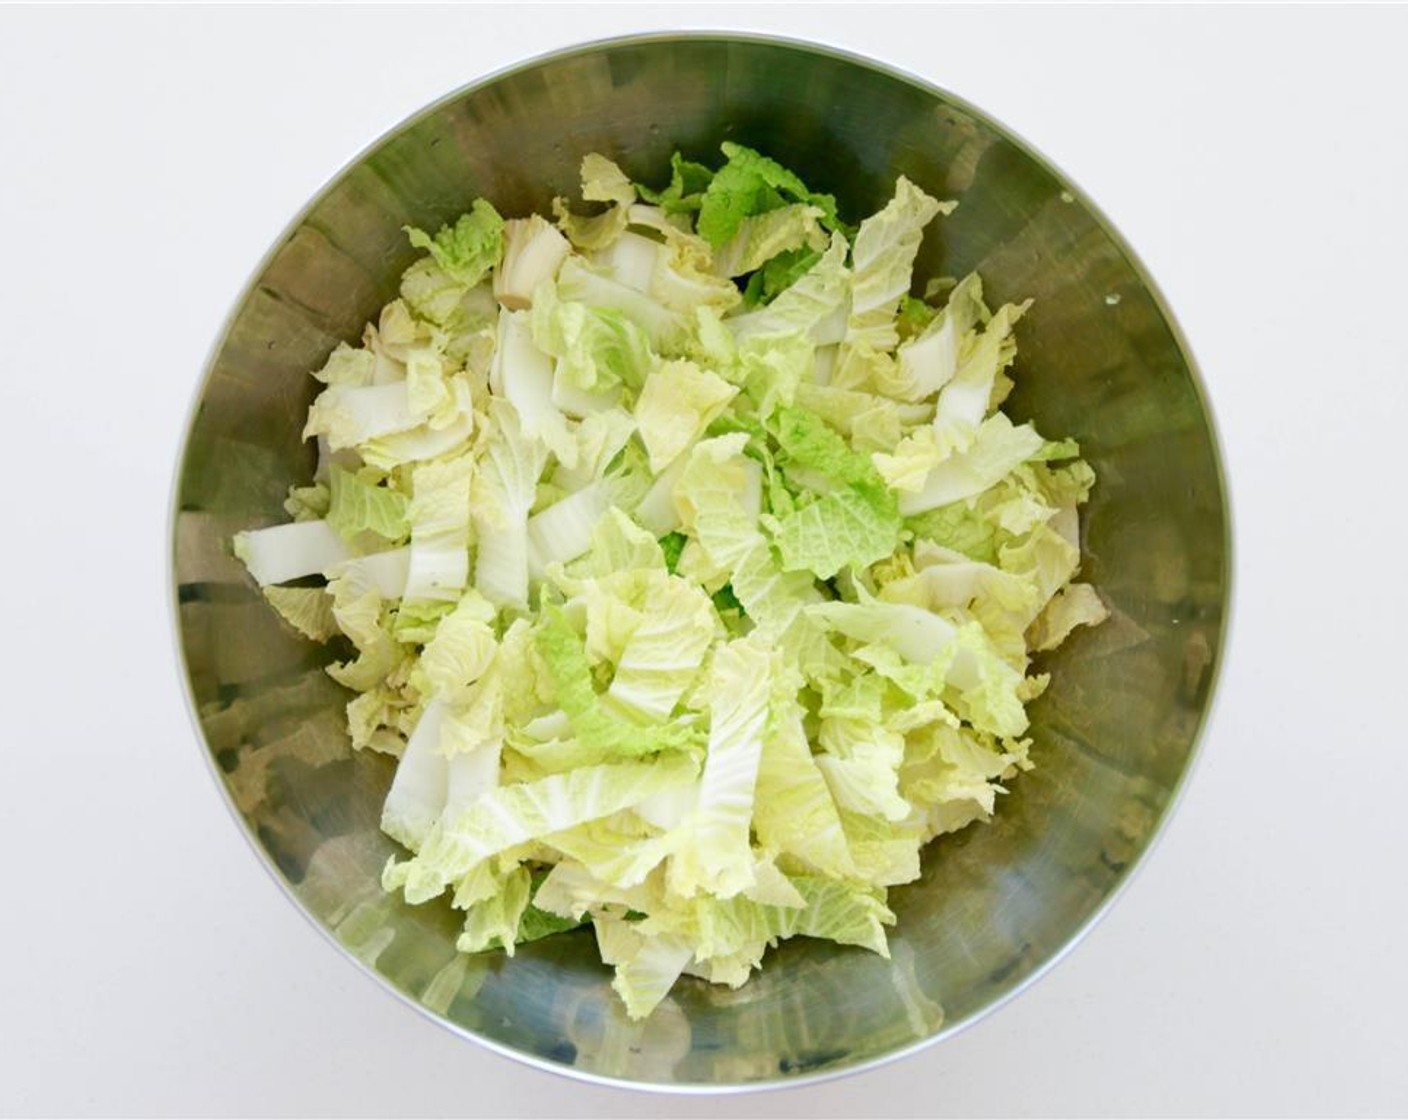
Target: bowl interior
1099,360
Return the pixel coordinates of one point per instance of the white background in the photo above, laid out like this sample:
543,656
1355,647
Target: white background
1257,161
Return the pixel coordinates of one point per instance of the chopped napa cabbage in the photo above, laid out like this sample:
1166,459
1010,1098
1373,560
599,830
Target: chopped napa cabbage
750,184
511,815
1076,604
282,553
816,305
882,259
760,238
439,516
853,525
685,565
603,727
523,375
602,181
795,813
966,397
998,448
598,350
505,487
711,853
675,406
468,249
533,252
421,786
665,650
460,650
359,505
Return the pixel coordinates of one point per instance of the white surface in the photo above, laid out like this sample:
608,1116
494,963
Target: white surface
1255,159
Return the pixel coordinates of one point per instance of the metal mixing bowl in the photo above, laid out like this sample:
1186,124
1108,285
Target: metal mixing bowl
1101,359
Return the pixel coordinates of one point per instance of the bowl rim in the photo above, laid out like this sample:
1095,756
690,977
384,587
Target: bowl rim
886,69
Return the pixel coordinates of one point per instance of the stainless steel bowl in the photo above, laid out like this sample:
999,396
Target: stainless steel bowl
1101,359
